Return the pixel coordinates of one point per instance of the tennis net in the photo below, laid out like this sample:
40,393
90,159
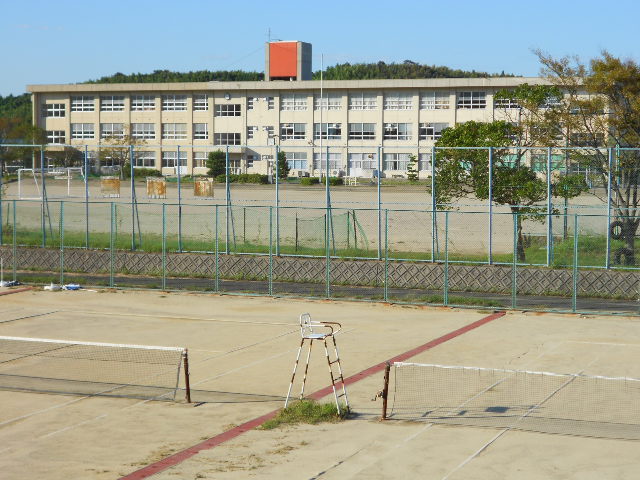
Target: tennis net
89,368
570,404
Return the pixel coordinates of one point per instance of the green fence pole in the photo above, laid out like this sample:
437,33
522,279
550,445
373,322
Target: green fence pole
574,289
549,211
227,201
327,269
86,196
61,233
164,246
112,244
607,260
490,200
270,279
514,263
15,244
216,250
445,298
386,255
379,192
434,219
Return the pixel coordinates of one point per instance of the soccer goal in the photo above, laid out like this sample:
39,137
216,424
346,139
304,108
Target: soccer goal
66,179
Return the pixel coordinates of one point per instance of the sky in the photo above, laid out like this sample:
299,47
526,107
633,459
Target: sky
68,41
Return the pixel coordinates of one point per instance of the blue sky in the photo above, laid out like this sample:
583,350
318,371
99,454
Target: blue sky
67,41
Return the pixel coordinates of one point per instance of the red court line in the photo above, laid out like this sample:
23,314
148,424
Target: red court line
212,442
17,290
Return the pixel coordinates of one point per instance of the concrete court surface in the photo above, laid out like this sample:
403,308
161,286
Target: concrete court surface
242,350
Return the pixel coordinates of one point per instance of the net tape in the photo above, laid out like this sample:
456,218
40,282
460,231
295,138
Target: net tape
570,404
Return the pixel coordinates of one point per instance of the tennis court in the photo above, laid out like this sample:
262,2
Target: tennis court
241,351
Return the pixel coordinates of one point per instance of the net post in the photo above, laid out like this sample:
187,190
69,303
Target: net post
385,390
187,387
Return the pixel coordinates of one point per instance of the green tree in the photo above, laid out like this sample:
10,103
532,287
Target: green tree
15,130
216,163
464,172
283,165
412,170
116,150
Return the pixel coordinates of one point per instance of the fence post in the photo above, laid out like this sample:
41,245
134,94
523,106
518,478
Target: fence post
133,199
277,180
379,203
86,196
607,259
216,250
111,243
43,195
445,297
61,235
549,211
164,246
179,201
227,195
327,269
15,246
1,232
434,224
514,264
490,205
270,279
574,289
386,255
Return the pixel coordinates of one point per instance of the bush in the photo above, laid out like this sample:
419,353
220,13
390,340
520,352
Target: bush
333,181
244,178
140,172
309,181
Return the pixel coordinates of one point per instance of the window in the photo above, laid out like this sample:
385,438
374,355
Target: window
271,104
270,131
472,100
143,103
539,162
108,130
586,139
144,159
297,160
251,132
55,136
226,139
53,110
320,161
173,103
398,101
251,103
505,103
228,110
112,103
82,103
170,159
174,131
396,161
434,100
362,131
292,131
431,131
366,161
424,162
330,101
293,101
200,159
397,131
82,130
330,131
363,101
200,131
143,130
200,102
251,159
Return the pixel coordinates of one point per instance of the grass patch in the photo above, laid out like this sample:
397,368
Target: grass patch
306,411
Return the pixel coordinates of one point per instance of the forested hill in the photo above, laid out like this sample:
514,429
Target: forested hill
167,76
16,107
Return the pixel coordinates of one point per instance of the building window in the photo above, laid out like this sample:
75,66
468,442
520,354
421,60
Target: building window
434,100
170,159
293,101
362,131
252,158
144,159
292,131
200,159
112,103
252,130
200,131
82,103
363,101
228,110
251,102
226,139
505,103
143,103
472,100
396,161
297,160
200,102
271,103
366,161
320,161
55,136
143,130
397,131
398,101
424,162
174,103
53,110
330,131
431,131
330,101
111,130
82,130
270,131
174,131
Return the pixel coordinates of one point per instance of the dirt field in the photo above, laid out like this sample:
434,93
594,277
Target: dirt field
242,350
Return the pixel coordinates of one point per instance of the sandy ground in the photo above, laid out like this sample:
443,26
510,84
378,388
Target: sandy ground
242,346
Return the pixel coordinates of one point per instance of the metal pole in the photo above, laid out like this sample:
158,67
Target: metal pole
434,224
514,263
226,180
111,244
379,203
445,297
549,211
15,246
61,235
216,246
607,259
386,255
490,205
277,170
574,290
133,200
187,386
385,390
179,202
270,250
86,196
164,246
43,196
1,233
